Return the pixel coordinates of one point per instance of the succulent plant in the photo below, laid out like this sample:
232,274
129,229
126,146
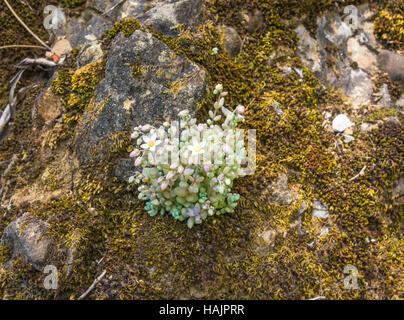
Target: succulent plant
187,169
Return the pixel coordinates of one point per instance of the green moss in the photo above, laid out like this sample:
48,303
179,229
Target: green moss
137,70
83,84
105,222
76,88
389,26
73,3
4,253
127,27
381,114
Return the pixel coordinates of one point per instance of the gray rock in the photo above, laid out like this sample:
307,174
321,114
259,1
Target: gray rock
133,9
393,64
341,57
230,40
27,238
364,58
367,127
252,20
281,194
80,32
398,188
99,5
308,49
320,210
358,86
145,83
90,53
167,14
125,169
400,101
332,30
385,100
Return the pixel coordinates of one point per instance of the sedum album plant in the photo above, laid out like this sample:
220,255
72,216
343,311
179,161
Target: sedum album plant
187,169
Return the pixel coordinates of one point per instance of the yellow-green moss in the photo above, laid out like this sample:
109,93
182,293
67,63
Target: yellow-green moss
389,26
219,259
127,27
73,3
4,253
381,114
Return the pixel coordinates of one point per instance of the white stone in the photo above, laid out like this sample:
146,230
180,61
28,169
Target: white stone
341,123
361,55
320,210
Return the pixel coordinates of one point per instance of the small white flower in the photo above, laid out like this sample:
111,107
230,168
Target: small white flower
188,172
197,148
151,143
183,113
218,89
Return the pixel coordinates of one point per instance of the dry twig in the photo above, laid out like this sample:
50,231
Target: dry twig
26,27
92,285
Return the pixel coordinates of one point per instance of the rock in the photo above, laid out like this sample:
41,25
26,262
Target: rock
281,194
145,83
302,209
27,238
252,20
286,71
324,231
308,49
133,9
367,36
168,14
348,138
299,72
398,188
277,108
360,54
279,53
125,169
268,237
332,30
62,47
341,57
341,123
50,106
367,127
264,242
385,100
80,32
358,87
230,40
320,210
400,101
90,53
99,5
393,64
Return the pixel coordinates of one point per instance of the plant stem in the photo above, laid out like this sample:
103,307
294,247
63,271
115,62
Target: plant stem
26,27
23,46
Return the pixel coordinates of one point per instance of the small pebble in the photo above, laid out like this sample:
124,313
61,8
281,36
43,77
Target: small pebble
341,123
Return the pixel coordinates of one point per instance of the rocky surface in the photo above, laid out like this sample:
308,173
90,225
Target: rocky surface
27,238
230,40
347,56
327,189
162,17
145,82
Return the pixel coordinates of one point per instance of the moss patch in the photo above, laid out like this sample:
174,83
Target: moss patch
158,258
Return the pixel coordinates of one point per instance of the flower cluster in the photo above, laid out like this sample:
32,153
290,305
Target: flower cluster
187,169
